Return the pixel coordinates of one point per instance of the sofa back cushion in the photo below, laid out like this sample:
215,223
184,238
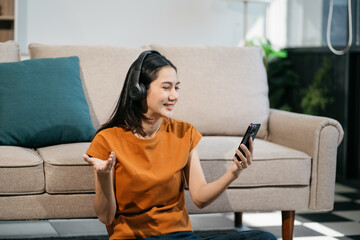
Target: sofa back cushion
222,89
103,71
9,51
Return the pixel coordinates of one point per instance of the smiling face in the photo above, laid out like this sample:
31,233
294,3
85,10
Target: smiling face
162,94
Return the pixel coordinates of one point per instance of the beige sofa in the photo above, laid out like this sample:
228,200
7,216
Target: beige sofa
223,89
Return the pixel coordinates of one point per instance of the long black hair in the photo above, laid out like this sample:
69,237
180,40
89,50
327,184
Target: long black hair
128,113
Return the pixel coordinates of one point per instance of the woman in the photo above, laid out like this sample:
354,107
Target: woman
142,158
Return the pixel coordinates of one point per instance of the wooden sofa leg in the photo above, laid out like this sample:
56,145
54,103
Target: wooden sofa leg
288,218
238,219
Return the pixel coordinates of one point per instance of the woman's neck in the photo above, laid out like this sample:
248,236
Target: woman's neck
151,127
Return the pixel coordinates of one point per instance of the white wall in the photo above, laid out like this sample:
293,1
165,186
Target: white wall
126,22
277,22
137,22
289,23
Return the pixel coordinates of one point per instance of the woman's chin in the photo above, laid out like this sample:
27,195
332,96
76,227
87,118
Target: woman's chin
167,114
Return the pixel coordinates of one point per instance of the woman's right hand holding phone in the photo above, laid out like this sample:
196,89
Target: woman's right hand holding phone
101,166
245,160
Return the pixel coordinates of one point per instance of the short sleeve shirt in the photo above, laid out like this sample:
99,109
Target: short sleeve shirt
149,183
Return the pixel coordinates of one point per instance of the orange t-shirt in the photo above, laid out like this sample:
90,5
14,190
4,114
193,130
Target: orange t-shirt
149,184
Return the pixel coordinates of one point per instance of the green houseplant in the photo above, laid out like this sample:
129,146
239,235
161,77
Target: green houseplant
283,81
285,91
318,95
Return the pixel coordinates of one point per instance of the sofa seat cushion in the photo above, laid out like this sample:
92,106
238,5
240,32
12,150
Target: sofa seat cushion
273,165
65,169
21,171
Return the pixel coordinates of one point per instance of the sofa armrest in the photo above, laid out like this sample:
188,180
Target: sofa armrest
319,137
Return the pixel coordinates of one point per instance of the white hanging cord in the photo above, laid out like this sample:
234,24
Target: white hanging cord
346,49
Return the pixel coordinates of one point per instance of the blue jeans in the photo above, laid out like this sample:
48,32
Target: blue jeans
244,235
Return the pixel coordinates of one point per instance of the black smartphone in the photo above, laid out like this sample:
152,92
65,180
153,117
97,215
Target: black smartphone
251,131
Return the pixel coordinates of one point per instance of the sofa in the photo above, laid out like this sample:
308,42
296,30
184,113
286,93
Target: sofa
223,89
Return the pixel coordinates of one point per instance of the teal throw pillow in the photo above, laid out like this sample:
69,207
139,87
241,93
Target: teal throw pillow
42,103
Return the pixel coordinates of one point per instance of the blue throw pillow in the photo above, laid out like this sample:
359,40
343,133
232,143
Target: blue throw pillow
42,103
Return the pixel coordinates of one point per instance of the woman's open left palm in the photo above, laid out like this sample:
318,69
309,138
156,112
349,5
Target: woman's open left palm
101,166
